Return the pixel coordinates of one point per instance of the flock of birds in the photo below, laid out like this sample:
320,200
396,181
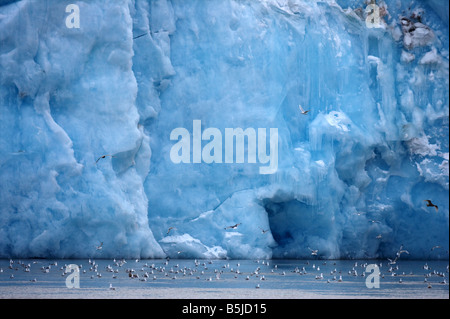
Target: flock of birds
210,270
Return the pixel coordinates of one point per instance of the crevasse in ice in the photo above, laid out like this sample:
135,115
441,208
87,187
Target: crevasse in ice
351,176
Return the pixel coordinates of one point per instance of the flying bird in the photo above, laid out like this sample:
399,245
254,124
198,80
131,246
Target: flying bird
103,156
302,110
232,227
100,246
170,228
430,204
141,35
435,247
263,230
313,251
401,251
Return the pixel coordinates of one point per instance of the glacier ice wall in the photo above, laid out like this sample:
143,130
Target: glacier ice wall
352,174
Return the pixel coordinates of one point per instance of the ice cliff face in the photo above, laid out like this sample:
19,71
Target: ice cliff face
351,175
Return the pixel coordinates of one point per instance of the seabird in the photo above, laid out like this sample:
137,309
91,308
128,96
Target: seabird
264,230
435,247
313,251
170,228
136,37
233,227
103,156
302,110
401,251
100,246
392,262
430,204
